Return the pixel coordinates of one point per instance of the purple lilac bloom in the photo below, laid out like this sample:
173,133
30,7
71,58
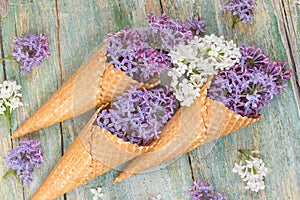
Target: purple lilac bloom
23,158
30,51
248,86
165,33
242,10
138,116
142,54
203,191
143,64
120,44
128,52
196,26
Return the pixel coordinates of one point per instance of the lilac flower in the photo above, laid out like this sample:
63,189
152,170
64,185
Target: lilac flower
252,171
30,51
22,159
10,99
167,33
242,10
196,26
252,56
203,191
129,53
139,115
120,44
248,86
142,54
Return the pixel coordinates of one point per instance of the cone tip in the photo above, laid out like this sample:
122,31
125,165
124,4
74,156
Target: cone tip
122,176
117,180
16,134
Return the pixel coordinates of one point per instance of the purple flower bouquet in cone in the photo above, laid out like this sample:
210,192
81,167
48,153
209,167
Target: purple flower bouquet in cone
115,134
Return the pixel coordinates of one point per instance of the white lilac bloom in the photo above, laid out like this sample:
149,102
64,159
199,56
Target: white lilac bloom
196,61
10,98
97,192
252,171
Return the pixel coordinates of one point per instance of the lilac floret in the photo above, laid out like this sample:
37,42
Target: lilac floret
138,116
30,51
203,191
196,26
249,86
252,56
242,9
24,158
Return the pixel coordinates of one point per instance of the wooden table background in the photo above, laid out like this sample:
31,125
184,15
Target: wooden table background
76,28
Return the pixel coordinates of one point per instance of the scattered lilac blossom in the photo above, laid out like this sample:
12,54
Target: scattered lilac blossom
97,192
203,191
138,116
248,86
252,170
30,51
10,99
23,158
242,10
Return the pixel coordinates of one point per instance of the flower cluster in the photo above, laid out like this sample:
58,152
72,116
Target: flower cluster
139,115
10,98
97,192
196,61
203,191
142,54
249,85
30,51
164,33
252,171
242,10
23,158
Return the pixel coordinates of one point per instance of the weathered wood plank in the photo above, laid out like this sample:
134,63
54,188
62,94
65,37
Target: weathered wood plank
36,17
286,15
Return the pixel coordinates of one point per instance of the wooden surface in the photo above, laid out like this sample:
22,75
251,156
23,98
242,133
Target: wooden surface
76,28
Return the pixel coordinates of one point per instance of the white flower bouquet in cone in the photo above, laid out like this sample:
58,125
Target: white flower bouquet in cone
234,100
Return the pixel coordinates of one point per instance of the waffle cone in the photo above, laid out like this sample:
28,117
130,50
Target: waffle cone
93,84
220,121
216,121
94,152
181,131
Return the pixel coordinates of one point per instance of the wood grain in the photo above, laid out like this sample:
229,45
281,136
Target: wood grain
3,8
75,29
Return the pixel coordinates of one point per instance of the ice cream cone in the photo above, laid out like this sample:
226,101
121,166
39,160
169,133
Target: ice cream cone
94,152
185,127
216,121
221,121
95,83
